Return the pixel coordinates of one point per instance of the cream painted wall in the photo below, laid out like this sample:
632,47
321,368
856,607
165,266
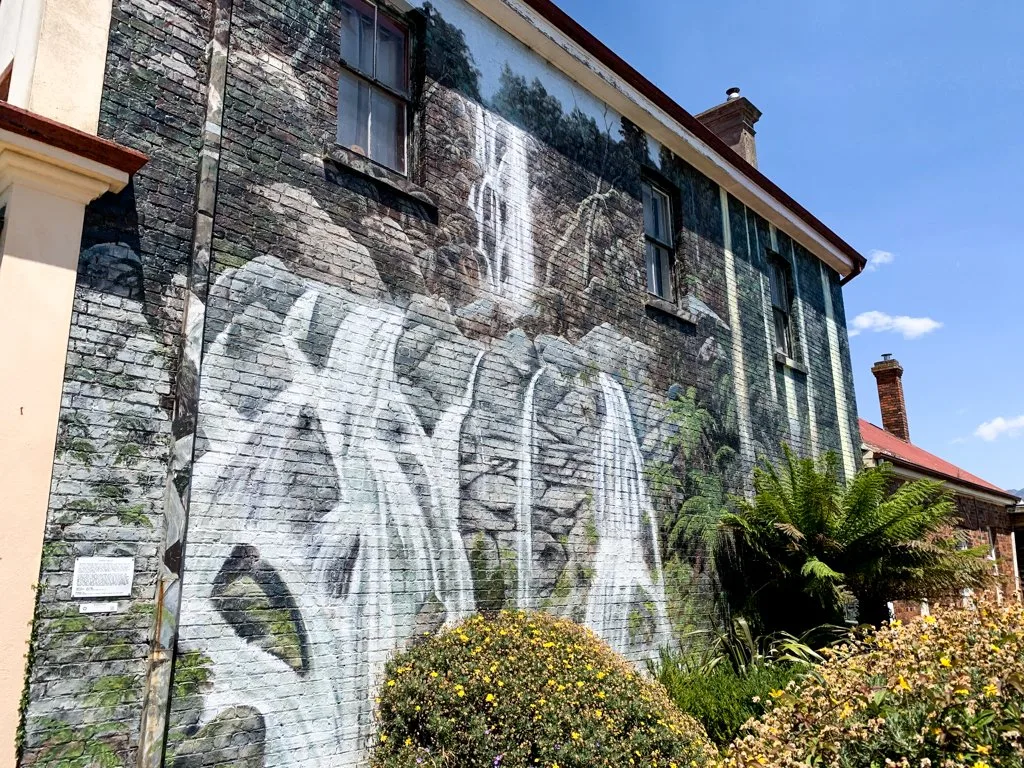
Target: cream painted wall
41,239
59,49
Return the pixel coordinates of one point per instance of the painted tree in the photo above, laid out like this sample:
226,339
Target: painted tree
807,544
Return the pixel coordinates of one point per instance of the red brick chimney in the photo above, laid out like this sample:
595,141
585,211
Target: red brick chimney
733,122
889,375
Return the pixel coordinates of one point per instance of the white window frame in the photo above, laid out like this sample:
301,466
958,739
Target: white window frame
655,246
370,79
780,280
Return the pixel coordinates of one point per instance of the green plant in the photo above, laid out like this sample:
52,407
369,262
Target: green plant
722,681
527,689
721,698
946,690
807,545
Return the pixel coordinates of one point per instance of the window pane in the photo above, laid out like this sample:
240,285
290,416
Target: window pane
659,274
648,209
391,58
387,128
353,113
661,217
783,342
779,286
656,214
665,263
357,34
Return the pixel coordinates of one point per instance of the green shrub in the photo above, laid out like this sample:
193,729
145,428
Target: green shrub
721,698
945,691
518,690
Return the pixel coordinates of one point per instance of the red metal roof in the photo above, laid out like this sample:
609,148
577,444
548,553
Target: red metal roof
891,448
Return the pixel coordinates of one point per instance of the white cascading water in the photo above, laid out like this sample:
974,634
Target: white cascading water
623,581
402,552
524,497
500,202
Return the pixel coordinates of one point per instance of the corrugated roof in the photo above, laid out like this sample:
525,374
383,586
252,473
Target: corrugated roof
888,446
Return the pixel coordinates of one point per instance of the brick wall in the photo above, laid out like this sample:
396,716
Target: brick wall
419,398
87,673
982,522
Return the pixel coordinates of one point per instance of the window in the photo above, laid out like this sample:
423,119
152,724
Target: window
782,305
373,90
659,241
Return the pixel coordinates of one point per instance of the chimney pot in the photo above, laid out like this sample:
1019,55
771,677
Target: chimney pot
889,377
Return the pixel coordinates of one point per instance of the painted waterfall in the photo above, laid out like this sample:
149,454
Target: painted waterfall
328,525
397,465
500,202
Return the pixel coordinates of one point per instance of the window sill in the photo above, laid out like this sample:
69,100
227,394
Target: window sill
789,362
668,308
340,157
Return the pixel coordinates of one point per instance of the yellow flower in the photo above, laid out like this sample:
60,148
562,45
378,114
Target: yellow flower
576,736
983,749
489,698
929,619
776,693
990,690
383,738
902,684
945,661
391,683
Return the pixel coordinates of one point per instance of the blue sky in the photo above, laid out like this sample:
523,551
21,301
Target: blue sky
901,126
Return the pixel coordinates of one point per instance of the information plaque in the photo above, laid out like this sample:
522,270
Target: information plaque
103,577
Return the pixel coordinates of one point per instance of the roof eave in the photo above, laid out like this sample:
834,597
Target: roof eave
548,30
966,485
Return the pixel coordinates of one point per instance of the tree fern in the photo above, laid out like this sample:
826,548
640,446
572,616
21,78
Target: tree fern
807,543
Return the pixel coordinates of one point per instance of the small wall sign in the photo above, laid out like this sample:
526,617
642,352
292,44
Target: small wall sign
98,608
103,577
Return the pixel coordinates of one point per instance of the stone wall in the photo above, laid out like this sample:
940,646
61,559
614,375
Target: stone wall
420,397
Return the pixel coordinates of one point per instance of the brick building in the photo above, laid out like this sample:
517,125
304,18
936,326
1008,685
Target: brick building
989,513
414,310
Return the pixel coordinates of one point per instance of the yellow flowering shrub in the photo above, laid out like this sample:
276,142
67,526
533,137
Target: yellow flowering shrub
945,691
519,690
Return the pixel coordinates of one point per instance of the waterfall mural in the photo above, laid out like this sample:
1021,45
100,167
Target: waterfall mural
419,398
500,202
327,527
382,458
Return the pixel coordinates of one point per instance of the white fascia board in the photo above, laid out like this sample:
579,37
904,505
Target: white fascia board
565,55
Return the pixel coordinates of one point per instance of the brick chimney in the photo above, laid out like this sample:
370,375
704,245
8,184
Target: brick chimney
889,375
733,122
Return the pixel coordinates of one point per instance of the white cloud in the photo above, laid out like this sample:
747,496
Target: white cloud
878,259
880,322
999,426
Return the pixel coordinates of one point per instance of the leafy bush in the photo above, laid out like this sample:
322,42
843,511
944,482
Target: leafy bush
946,690
726,683
527,689
722,699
